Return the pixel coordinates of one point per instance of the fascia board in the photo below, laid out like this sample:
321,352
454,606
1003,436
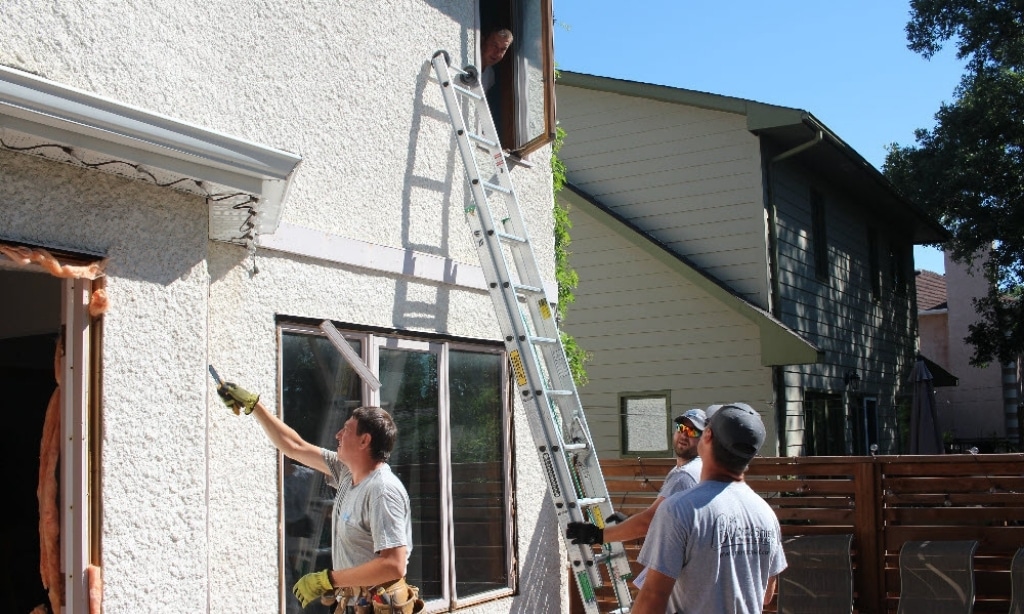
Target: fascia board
780,345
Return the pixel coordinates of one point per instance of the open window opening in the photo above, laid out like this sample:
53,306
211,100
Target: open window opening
521,85
48,547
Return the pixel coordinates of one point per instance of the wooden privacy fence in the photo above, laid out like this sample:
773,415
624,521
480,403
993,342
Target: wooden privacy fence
883,501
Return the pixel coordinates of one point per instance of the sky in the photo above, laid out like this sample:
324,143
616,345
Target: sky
844,61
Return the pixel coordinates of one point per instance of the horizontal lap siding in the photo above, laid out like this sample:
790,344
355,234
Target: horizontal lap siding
875,337
688,177
649,329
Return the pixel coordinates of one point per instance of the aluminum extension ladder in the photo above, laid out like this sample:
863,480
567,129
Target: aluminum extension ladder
527,321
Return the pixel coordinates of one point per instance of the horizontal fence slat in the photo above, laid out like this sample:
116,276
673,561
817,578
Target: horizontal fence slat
902,498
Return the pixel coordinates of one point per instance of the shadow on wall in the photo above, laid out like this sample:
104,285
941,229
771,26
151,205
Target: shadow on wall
540,577
420,305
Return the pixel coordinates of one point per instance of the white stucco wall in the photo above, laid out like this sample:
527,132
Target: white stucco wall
189,491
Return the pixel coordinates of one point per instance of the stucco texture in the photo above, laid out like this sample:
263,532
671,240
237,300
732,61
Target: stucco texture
189,499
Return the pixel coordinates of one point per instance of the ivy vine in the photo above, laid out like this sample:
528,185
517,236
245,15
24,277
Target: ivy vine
565,276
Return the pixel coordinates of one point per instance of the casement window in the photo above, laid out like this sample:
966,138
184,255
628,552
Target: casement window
645,423
824,424
874,268
866,430
819,236
522,98
451,402
898,268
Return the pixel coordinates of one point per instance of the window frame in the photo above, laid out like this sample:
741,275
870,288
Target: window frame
624,397
511,81
371,344
819,235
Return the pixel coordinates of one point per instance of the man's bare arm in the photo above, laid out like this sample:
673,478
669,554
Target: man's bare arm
653,596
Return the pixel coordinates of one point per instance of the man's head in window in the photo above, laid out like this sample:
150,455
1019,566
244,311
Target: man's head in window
495,45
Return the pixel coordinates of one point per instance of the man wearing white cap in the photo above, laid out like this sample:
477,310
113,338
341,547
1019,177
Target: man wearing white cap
686,433
716,547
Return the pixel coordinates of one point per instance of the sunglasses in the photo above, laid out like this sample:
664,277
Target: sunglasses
687,430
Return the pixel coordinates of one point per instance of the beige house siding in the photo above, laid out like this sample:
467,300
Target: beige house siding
649,329
688,177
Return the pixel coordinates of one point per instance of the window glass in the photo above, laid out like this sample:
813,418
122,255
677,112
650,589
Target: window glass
532,73
318,391
645,424
824,424
478,471
409,389
443,396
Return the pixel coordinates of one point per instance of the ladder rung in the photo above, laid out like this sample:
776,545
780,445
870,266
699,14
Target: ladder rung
496,187
572,447
467,93
605,557
544,340
591,501
529,289
482,139
560,393
510,238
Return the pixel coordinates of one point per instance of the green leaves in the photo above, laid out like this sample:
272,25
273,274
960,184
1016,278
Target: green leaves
968,171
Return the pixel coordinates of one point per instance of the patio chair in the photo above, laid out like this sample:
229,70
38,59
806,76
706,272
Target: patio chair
937,577
1017,582
819,576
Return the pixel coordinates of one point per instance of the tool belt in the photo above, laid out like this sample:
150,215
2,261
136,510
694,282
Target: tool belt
394,597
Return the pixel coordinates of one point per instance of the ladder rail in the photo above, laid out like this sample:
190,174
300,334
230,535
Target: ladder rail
528,324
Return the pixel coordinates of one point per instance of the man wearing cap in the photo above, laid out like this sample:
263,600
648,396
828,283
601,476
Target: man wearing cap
715,547
685,474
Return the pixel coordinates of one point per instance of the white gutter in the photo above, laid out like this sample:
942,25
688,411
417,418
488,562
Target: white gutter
46,118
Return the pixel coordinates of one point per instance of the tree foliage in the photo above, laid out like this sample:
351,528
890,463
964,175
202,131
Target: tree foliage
968,170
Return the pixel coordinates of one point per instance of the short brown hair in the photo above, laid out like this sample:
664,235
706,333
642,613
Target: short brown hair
382,430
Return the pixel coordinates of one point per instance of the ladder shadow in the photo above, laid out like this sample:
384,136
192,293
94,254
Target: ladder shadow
541,567
426,213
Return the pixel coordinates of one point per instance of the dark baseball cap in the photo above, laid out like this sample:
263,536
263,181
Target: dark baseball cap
695,416
738,428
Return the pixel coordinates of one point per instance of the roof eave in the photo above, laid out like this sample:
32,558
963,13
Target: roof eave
65,124
780,345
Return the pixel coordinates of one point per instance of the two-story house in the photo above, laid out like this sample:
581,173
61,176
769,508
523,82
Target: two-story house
981,406
731,250
215,180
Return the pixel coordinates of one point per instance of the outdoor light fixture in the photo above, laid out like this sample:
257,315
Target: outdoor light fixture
851,379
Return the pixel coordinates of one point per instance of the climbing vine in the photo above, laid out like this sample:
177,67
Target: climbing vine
564,274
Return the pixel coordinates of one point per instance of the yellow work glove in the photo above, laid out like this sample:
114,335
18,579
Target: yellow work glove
237,398
311,586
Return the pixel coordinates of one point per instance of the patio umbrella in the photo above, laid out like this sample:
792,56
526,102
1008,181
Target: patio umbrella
924,424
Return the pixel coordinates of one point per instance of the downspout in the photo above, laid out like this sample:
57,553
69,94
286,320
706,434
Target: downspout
778,377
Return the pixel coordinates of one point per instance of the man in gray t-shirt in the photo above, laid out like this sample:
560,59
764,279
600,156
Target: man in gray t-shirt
716,547
371,529
686,473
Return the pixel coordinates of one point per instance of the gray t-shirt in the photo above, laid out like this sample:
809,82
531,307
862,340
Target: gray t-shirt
721,542
681,478
369,517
